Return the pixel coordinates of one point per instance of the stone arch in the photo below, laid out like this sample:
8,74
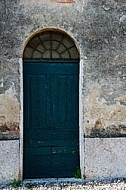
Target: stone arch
80,62
50,44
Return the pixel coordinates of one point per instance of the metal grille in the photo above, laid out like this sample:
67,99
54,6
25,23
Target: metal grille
51,45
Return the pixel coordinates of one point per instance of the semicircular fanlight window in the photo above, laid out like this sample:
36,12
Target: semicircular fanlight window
51,45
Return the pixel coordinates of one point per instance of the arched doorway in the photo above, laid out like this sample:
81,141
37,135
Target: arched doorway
51,106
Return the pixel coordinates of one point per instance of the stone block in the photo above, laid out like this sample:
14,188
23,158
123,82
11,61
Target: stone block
105,158
9,160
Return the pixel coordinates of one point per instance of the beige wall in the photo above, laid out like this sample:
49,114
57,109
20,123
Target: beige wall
99,31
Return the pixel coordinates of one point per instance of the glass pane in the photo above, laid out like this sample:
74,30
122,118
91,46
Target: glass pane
61,48
45,37
28,52
34,42
68,43
41,48
57,37
46,55
55,44
74,53
47,44
55,54
37,54
65,55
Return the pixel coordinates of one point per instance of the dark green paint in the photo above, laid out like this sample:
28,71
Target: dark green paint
51,118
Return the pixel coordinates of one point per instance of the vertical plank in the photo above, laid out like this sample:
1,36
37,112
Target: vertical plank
51,114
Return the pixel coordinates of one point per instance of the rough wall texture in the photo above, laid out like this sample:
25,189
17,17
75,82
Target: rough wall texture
9,115
99,29
107,161
9,157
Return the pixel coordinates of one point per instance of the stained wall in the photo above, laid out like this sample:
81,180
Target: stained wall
99,30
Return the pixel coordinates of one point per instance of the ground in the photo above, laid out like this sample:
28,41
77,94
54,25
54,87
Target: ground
111,184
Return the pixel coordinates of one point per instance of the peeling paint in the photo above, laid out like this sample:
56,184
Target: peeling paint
99,30
9,115
110,131
104,120
9,131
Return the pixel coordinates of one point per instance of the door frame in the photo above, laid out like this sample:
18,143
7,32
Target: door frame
81,136
81,117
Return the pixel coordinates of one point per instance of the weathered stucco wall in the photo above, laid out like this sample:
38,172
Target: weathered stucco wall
99,30
9,115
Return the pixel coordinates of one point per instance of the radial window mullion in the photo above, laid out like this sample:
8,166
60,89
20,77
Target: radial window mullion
51,45
42,42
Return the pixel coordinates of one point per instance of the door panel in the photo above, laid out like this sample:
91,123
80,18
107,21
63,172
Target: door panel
51,122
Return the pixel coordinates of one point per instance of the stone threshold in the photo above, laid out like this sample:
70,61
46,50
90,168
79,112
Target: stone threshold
53,180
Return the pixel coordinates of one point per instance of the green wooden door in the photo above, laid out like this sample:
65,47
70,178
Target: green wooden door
51,123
